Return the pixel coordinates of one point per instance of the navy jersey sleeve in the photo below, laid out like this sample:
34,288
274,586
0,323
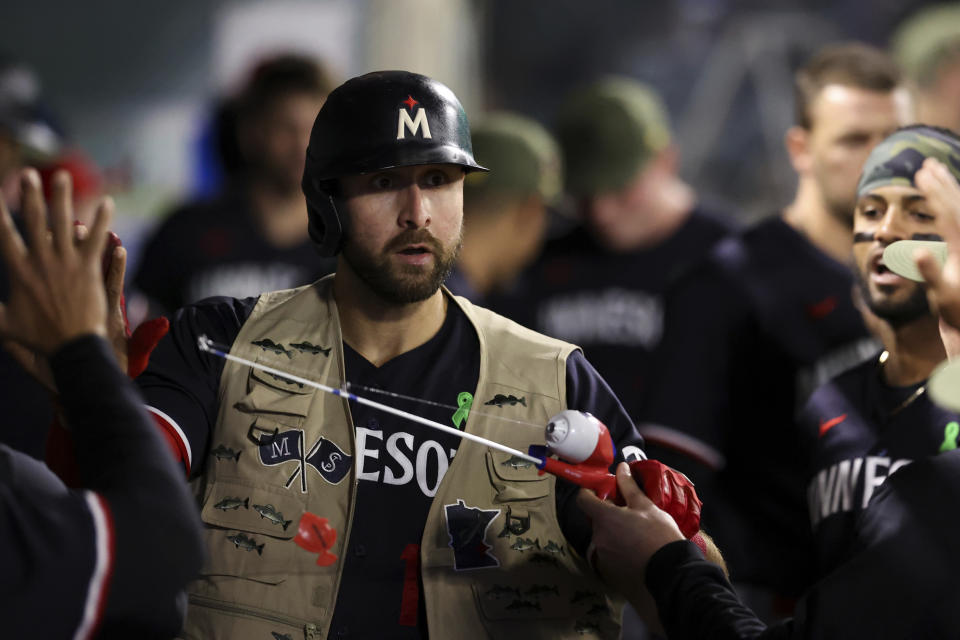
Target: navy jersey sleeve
588,391
706,326
96,556
181,383
695,600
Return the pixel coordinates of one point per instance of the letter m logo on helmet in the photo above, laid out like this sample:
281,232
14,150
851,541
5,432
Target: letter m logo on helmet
414,124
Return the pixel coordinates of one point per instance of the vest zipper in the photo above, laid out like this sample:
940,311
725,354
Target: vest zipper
353,504
210,603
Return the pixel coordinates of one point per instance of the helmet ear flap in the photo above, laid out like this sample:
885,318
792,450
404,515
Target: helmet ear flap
324,225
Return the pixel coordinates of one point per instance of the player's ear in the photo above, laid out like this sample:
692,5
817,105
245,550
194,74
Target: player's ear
797,142
667,159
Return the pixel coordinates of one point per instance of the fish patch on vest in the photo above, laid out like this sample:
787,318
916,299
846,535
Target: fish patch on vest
326,458
468,527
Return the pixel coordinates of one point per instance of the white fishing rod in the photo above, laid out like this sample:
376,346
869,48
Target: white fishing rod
209,346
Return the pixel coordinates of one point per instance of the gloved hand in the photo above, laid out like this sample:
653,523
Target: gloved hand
670,490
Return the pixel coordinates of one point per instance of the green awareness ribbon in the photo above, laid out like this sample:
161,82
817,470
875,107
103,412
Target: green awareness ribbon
950,433
464,401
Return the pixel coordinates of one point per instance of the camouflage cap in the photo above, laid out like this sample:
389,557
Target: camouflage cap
607,133
522,156
922,42
895,160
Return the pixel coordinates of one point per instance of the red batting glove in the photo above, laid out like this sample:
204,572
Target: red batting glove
671,491
142,343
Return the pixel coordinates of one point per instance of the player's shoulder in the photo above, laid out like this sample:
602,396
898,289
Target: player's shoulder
219,305
221,314
508,333
711,224
775,244
570,241
848,385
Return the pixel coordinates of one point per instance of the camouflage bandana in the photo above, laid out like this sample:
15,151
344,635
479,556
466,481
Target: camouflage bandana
895,160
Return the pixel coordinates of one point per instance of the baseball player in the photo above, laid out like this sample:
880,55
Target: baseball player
250,237
901,569
868,422
640,226
766,320
114,556
326,518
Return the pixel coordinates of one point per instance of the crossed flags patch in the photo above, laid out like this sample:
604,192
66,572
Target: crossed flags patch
324,456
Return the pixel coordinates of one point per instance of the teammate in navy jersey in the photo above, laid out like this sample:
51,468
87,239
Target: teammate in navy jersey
113,556
331,519
639,227
764,321
251,236
901,572
870,421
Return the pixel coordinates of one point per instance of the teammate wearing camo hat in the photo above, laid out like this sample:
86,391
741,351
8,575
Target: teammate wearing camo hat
900,538
871,420
639,227
767,318
505,210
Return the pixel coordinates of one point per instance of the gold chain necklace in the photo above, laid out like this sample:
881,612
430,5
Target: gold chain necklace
911,398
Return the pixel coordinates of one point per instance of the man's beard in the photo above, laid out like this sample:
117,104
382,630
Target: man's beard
897,314
402,284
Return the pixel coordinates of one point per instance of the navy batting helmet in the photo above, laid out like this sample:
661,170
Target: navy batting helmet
378,121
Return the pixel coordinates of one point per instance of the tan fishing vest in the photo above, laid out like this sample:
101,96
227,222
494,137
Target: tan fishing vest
493,559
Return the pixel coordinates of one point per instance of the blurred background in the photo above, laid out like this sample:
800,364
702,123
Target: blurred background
135,85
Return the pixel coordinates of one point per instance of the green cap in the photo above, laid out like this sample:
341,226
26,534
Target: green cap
922,41
607,133
522,156
898,157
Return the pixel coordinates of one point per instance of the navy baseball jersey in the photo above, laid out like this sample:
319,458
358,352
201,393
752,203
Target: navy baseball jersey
901,581
748,336
862,431
610,304
399,463
115,556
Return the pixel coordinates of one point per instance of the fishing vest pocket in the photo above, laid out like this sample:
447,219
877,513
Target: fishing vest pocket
514,478
269,394
250,530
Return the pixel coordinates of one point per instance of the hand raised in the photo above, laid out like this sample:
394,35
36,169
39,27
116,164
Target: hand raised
56,281
943,197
